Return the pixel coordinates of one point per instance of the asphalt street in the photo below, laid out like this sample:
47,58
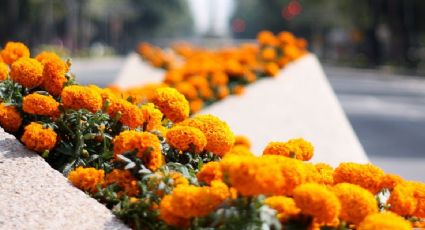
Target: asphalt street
387,111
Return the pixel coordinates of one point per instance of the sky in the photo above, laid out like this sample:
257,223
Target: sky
206,11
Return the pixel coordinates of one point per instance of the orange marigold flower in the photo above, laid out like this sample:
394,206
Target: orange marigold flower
391,180
4,71
171,103
356,202
318,201
367,176
38,138
86,178
106,94
402,200
196,105
81,97
238,90
268,54
10,118
147,145
325,174
131,115
294,148
53,73
188,201
219,78
420,197
267,38
286,38
167,214
271,69
209,172
27,72
220,138
152,116
385,220
242,140
186,138
240,150
124,179
13,51
285,207
222,92
40,105
187,89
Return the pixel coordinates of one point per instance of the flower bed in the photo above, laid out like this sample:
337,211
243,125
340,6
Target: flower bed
157,168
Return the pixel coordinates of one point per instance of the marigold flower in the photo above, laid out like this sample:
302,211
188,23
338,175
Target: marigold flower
385,220
294,148
186,138
107,94
267,38
402,200
27,71
240,150
152,116
167,214
219,78
356,202
131,115
222,92
147,145
81,97
268,54
13,51
178,179
86,178
10,118
420,197
318,201
124,179
242,140
238,90
187,89
367,176
196,105
285,207
40,105
53,72
271,69
188,201
220,138
171,103
38,138
209,172
325,174
4,71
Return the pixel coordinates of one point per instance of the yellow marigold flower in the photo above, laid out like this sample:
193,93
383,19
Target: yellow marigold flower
318,201
13,51
220,138
187,89
386,220
81,97
40,105
365,175
294,148
147,145
186,138
152,116
86,178
4,71
124,179
242,140
240,150
167,214
285,207
171,103
402,200
10,119
131,115
27,72
209,172
356,202
38,138
188,201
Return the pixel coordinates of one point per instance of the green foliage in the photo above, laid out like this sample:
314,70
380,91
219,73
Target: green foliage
12,93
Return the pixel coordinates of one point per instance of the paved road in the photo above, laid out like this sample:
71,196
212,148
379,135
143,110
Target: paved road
386,111
388,114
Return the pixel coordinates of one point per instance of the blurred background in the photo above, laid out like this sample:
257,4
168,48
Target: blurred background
373,51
